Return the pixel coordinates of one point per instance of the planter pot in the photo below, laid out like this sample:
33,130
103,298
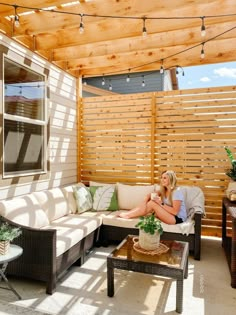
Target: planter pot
4,247
231,191
148,241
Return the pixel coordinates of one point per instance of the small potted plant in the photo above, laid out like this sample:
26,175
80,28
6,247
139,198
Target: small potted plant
150,229
231,173
7,234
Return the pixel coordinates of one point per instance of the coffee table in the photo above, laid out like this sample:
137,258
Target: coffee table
172,264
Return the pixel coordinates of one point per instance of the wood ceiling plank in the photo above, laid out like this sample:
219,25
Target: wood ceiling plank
46,22
113,45
160,40
215,52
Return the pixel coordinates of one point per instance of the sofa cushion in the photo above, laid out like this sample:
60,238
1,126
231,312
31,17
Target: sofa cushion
104,198
92,183
83,198
53,202
112,219
25,211
130,196
72,228
69,195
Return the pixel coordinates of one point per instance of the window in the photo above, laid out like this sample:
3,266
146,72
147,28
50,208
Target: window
24,122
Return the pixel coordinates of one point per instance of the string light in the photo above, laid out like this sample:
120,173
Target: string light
81,26
128,77
143,81
103,80
16,17
179,68
144,27
110,85
203,28
162,67
202,51
203,18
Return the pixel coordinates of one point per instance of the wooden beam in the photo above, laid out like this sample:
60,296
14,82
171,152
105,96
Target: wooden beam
158,40
215,51
94,90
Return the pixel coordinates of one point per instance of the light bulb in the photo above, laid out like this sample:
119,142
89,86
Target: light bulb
81,28
16,21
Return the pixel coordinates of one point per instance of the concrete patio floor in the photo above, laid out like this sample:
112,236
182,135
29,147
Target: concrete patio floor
83,290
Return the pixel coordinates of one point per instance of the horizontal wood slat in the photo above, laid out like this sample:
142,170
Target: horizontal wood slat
133,138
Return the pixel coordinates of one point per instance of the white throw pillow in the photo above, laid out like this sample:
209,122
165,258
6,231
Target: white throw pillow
130,196
25,211
91,183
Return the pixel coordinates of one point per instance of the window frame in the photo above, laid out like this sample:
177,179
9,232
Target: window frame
39,122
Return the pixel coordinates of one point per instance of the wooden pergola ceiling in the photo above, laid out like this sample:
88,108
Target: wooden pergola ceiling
114,45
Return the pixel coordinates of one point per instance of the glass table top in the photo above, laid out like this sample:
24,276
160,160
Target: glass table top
173,257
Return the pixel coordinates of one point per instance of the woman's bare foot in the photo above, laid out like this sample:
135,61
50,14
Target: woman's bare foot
123,215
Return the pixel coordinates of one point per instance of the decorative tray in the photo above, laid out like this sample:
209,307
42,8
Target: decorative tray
161,249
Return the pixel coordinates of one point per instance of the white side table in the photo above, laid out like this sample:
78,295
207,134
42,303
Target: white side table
14,252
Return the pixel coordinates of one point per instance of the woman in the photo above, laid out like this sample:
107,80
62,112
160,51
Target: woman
168,205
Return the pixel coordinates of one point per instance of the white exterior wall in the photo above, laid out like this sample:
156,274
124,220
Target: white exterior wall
62,115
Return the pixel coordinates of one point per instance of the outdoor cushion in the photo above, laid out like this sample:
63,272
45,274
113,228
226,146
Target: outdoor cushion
104,198
83,198
53,202
130,196
69,195
25,211
112,219
72,228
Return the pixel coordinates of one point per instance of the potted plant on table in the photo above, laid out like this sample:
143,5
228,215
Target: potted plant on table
231,173
150,229
7,234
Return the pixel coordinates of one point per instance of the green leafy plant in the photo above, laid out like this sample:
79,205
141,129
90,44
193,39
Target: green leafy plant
150,224
232,171
8,233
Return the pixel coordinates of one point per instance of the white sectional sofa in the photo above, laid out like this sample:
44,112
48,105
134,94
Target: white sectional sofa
55,236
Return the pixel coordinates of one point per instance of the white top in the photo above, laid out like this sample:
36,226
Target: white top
14,252
178,195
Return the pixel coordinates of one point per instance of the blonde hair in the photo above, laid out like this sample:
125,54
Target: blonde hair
173,184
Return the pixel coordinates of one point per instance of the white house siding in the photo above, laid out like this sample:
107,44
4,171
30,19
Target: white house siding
62,114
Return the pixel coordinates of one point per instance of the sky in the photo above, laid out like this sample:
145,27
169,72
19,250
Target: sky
220,74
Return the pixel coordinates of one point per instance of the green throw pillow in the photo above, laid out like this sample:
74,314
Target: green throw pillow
83,198
104,198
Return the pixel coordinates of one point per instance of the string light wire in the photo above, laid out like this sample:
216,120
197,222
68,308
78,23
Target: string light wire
202,18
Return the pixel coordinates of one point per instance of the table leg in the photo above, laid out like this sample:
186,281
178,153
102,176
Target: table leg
233,254
110,281
2,276
179,295
186,270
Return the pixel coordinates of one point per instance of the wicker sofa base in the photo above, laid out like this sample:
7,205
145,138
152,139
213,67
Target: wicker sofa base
39,261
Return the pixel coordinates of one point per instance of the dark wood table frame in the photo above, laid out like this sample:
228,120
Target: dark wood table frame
165,270
229,243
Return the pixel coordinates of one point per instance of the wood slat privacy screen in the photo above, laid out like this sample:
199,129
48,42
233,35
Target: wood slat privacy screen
133,138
